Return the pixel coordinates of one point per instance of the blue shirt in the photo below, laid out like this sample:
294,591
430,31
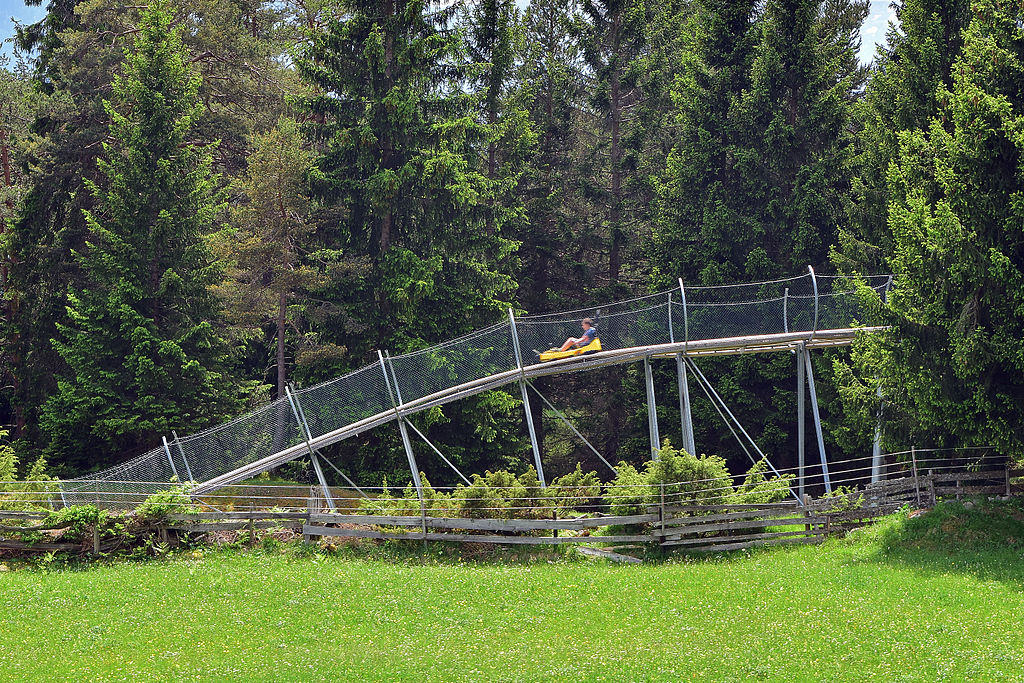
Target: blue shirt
588,336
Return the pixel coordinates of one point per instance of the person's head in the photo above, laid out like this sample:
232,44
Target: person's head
587,323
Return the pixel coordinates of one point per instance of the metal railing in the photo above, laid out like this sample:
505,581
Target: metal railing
677,320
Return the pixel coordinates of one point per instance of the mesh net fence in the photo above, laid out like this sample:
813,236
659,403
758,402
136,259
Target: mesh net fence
794,305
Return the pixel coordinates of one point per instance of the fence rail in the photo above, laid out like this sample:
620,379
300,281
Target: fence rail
664,514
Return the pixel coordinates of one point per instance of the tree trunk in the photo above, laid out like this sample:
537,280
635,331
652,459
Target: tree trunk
615,210
282,312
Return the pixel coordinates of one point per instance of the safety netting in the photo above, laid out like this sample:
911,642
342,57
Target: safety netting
804,304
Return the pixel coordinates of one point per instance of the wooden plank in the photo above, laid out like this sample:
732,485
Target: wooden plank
730,507
755,544
484,524
18,514
60,547
255,514
752,524
704,519
202,527
605,554
469,538
970,490
715,540
999,475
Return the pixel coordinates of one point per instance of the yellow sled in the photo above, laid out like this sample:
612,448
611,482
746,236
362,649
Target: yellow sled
555,354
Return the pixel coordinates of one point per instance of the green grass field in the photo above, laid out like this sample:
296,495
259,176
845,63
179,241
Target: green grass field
865,608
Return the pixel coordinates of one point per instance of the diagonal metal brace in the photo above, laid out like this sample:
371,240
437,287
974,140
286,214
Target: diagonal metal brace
572,427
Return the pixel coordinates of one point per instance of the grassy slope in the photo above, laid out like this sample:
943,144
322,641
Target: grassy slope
883,606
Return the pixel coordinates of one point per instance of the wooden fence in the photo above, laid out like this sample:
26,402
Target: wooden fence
698,528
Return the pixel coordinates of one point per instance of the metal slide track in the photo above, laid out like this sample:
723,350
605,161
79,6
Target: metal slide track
765,343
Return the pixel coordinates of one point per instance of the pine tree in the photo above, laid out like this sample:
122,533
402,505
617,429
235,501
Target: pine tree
267,249
143,357
398,143
793,152
952,365
901,95
701,195
406,210
613,38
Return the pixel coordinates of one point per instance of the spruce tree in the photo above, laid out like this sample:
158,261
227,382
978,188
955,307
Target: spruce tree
142,354
951,367
398,144
406,212
901,95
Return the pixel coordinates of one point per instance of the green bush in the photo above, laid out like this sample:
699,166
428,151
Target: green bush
29,494
500,494
163,503
687,479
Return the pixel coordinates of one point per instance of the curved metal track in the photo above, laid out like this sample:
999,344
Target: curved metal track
766,343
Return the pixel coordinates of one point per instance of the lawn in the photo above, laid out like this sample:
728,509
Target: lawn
853,609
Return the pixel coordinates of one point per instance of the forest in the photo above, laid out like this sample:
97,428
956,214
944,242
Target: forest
206,200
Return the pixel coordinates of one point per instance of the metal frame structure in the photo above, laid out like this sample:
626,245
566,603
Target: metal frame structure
478,362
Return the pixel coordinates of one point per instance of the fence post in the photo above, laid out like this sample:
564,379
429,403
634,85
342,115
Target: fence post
817,420
96,538
526,400
167,450
785,310
932,496
1007,477
917,484
661,511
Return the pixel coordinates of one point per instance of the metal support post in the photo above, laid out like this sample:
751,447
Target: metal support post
526,401
801,427
652,410
785,311
684,406
814,281
312,452
573,428
876,445
877,462
685,416
167,450
401,428
181,449
817,421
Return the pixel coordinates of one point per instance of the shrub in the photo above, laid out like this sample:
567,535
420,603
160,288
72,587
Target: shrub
572,491
30,494
756,488
689,480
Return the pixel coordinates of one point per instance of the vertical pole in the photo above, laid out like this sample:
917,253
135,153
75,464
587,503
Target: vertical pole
309,444
405,432
876,444
801,427
689,441
817,421
526,401
181,449
167,450
917,484
652,410
785,311
814,281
